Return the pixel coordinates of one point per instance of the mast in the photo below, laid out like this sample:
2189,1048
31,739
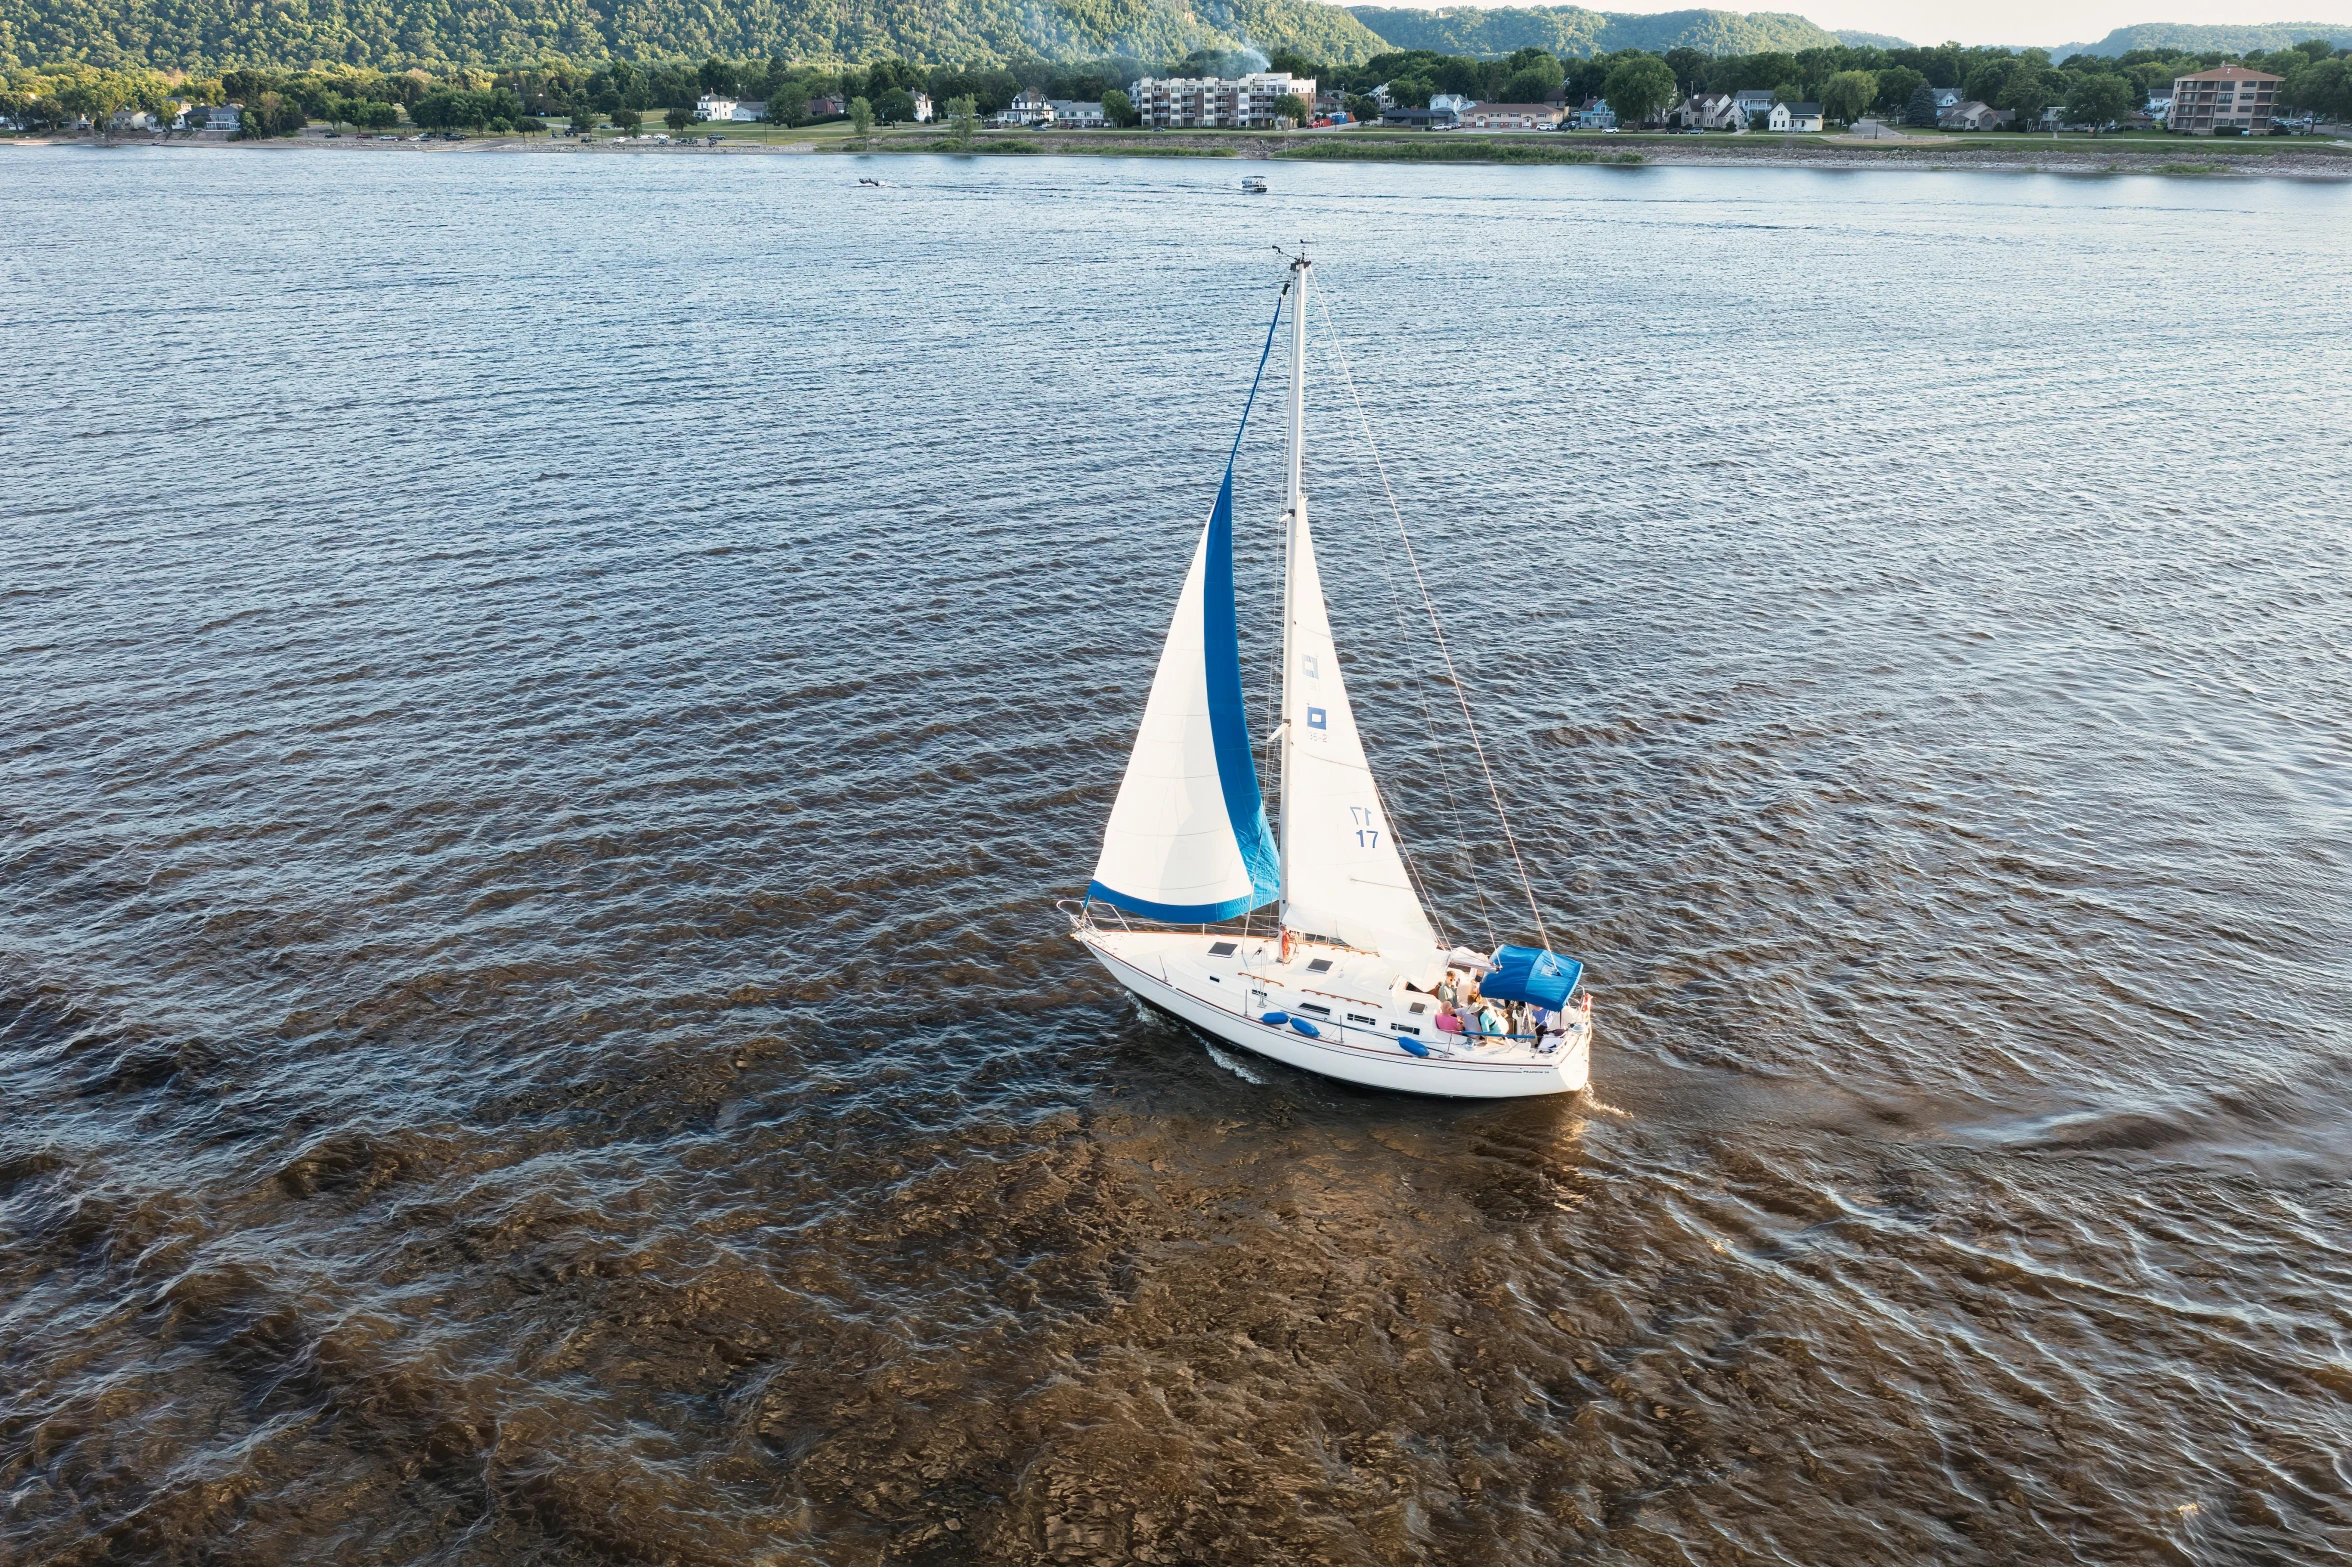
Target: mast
1294,514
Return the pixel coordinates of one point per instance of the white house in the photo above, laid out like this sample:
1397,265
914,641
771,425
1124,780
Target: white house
1754,104
922,108
1710,112
1801,117
1030,107
219,117
1777,118
1945,98
1077,113
1458,102
711,106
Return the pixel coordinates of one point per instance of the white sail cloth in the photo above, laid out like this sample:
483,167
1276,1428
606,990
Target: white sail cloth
1188,840
1346,877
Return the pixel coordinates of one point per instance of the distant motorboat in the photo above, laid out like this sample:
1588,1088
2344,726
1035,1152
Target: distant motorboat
1255,184
877,184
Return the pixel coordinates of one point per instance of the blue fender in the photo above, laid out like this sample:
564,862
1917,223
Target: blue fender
1306,1028
1275,1019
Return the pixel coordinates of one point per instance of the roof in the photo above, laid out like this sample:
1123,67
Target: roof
1546,109
2231,73
1804,108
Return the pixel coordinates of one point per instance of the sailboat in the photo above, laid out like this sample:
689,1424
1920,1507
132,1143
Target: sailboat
1351,980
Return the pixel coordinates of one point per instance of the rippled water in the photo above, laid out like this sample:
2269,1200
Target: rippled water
548,703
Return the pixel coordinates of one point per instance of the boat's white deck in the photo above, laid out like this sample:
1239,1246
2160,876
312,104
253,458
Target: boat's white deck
1351,998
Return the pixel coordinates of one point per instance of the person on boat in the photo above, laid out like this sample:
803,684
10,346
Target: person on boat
1492,1023
1447,1023
1448,992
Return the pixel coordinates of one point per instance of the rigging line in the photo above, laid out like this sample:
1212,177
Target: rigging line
1444,774
1436,630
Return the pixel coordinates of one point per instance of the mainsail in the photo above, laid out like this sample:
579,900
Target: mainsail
1346,877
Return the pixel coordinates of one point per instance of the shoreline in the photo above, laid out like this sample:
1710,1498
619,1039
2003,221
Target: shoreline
2081,156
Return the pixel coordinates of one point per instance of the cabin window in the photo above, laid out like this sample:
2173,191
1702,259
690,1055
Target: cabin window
1214,980
1309,1006
1403,1028
1223,949
1319,966
1358,1017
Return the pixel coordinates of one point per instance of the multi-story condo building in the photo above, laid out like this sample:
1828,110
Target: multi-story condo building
1185,103
2225,97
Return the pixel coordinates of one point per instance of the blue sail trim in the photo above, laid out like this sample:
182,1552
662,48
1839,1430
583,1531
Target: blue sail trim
1237,761
1237,758
1178,913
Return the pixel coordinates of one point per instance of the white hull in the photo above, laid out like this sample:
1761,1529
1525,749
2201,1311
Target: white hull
1152,965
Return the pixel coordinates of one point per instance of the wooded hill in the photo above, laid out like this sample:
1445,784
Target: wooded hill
213,35
2184,38
1570,30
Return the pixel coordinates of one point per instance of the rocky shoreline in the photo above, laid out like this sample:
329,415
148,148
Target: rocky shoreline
2313,160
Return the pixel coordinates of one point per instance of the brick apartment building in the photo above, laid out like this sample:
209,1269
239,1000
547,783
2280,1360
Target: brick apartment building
2230,95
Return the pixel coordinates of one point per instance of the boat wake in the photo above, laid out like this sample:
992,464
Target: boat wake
1233,1066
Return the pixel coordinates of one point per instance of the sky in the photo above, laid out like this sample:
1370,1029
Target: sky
2025,22
2021,23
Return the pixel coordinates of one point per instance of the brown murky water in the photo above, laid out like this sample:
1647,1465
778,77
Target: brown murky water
547,708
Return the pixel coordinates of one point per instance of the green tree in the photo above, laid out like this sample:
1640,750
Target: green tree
531,125
1846,95
2031,89
1529,86
895,107
963,119
1896,84
1411,92
1639,90
1290,106
1989,82
583,119
1119,109
678,117
788,104
2099,101
861,116
1921,110
626,121
374,115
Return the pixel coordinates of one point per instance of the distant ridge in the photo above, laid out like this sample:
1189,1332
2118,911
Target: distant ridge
210,35
1858,40
2187,38
1572,30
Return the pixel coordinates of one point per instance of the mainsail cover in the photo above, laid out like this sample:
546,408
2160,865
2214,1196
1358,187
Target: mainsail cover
1347,879
1188,840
